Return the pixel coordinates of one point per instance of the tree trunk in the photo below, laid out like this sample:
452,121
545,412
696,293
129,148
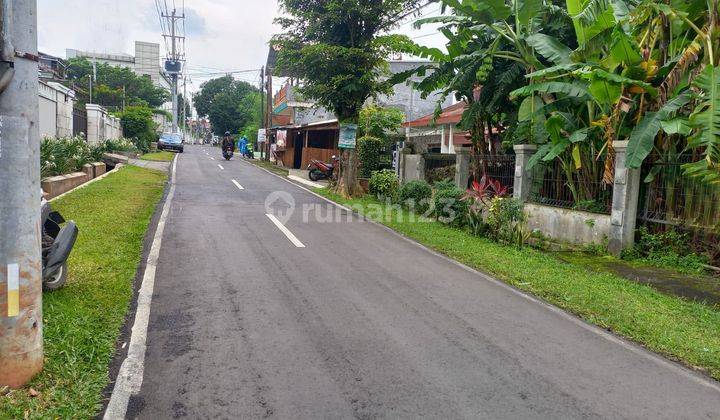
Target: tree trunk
348,184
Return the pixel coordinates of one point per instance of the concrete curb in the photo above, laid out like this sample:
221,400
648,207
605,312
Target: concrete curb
117,168
130,376
306,182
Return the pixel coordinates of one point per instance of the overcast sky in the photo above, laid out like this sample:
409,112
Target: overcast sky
222,35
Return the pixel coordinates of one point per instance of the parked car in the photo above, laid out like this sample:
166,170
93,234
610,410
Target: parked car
171,141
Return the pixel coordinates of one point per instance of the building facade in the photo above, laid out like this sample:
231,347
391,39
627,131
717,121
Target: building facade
145,62
302,131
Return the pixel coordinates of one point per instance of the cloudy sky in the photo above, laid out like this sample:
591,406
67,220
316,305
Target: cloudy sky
222,35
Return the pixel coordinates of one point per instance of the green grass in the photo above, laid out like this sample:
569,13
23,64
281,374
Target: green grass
681,330
82,321
279,170
158,156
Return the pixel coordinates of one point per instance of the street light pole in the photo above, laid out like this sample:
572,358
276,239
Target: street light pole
21,345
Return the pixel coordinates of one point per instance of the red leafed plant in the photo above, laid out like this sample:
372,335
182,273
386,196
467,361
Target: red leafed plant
485,190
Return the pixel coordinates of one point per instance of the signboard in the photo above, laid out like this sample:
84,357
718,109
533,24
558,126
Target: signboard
281,139
261,138
348,136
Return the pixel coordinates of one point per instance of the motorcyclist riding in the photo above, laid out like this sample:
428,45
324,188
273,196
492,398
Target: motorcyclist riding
228,141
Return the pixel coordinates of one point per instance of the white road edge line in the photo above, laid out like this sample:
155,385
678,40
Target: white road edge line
237,184
285,230
616,339
221,167
130,377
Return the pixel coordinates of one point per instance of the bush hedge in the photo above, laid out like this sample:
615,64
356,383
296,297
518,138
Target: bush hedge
416,195
371,151
383,184
60,156
450,208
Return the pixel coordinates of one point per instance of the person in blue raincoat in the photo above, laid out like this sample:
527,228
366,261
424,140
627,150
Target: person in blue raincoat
242,145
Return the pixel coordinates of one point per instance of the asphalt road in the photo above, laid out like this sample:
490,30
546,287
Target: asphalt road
361,323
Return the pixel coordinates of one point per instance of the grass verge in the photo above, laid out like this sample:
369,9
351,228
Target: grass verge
82,321
685,331
279,170
158,156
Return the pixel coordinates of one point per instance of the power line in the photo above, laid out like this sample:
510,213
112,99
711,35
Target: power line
219,73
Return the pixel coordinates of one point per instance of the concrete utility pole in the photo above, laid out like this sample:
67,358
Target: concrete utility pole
174,76
184,104
173,18
262,110
268,115
21,345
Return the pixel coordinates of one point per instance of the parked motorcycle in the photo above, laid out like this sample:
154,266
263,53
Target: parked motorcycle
322,170
228,153
249,152
57,243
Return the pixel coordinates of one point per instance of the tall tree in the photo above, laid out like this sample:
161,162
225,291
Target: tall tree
203,98
336,48
230,104
113,85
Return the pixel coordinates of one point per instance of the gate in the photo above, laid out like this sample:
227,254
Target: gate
80,122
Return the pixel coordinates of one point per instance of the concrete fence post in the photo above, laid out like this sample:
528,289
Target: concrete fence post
413,167
462,167
420,167
401,165
95,124
523,178
626,192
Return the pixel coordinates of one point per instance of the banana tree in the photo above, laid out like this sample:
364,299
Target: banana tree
586,96
488,55
682,37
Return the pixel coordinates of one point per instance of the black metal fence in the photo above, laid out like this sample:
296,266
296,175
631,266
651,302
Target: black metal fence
439,166
500,168
669,197
583,189
79,122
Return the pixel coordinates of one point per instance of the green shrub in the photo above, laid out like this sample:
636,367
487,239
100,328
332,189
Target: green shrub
138,125
444,184
379,122
507,221
450,208
476,221
383,184
60,156
371,151
416,196
670,249
120,145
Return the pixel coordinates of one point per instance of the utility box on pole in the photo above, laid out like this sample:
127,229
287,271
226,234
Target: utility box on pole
21,345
